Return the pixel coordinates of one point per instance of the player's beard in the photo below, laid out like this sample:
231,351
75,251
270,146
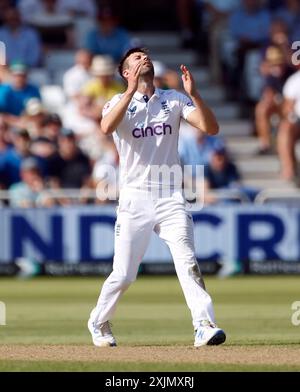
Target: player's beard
147,70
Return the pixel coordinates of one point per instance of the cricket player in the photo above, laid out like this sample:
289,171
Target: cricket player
144,122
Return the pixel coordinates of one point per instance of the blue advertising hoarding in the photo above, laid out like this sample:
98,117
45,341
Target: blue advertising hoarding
86,234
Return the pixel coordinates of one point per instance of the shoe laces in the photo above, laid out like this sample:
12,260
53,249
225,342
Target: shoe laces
207,323
105,328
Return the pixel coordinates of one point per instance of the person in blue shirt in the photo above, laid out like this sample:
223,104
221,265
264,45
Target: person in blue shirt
13,96
108,38
28,192
222,175
290,14
22,42
249,28
196,149
13,157
250,24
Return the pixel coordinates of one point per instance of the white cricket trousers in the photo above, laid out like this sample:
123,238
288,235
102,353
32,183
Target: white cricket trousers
136,219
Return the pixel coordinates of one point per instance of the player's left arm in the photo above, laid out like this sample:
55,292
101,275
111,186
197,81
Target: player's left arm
202,117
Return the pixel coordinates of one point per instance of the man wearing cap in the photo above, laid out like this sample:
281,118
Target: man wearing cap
275,70
33,117
13,96
221,174
103,86
52,125
27,193
14,156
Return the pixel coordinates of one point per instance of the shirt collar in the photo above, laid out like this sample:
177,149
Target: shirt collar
140,97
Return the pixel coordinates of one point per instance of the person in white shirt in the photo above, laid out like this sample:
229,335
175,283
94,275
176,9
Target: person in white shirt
289,129
76,77
145,124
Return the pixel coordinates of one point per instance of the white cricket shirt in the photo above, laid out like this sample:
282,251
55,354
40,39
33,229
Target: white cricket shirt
147,138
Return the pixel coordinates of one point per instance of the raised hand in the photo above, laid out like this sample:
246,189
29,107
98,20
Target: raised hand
188,81
133,77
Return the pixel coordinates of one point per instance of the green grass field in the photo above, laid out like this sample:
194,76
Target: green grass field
255,312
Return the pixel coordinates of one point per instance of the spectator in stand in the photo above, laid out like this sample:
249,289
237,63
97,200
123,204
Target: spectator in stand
275,70
80,115
14,156
51,20
52,126
27,192
33,120
290,14
249,28
165,78
33,117
5,145
289,129
196,148
22,42
102,87
77,8
189,15
108,38
216,16
221,172
43,149
222,175
45,145
105,176
70,168
13,96
77,76
279,37
250,25
71,7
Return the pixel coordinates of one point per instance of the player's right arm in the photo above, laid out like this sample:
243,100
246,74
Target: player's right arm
113,118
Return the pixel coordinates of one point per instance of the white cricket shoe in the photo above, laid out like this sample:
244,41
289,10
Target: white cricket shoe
208,334
102,334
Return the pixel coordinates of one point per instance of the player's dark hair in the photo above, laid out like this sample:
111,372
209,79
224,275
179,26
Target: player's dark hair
126,55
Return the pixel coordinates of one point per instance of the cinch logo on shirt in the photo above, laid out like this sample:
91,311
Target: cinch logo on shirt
157,130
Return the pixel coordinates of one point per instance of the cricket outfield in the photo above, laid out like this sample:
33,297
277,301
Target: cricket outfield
46,326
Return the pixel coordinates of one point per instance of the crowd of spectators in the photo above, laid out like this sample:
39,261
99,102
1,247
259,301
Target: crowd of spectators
43,151
250,47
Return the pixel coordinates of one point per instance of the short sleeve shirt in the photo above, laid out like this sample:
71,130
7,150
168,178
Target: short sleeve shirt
147,136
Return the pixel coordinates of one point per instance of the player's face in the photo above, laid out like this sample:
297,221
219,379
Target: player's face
137,57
